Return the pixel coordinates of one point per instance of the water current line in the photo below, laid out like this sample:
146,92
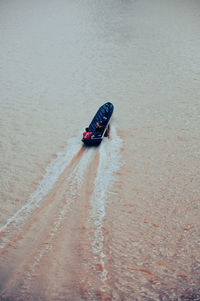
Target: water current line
74,181
53,171
109,164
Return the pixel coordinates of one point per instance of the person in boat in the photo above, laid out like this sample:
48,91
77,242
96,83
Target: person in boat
87,134
99,127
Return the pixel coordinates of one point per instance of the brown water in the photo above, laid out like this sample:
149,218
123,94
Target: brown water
117,222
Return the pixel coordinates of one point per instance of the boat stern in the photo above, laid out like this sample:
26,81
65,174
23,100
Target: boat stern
92,141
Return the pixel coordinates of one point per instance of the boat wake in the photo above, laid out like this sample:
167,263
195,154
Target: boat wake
109,164
65,217
53,171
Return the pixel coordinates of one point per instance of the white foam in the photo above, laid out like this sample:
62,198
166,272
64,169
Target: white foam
75,180
53,171
109,164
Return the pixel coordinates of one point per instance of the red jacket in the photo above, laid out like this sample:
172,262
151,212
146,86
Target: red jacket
87,135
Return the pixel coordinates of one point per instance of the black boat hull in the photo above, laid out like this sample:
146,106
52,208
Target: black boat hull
102,117
92,141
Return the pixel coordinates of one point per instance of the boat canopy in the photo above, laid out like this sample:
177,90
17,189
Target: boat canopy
104,111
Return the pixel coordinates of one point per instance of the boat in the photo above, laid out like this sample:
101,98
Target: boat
99,126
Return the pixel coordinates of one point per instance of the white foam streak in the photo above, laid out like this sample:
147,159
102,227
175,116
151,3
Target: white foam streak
109,164
53,171
75,181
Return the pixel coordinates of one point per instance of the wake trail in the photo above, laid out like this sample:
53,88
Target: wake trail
71,154
28,251
74,182
73,191
109,164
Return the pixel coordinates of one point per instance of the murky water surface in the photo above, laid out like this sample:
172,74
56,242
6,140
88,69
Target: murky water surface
117,222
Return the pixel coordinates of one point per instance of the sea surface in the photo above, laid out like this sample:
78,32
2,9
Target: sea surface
116,222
